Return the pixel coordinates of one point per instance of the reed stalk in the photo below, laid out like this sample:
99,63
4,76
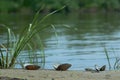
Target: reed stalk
108,58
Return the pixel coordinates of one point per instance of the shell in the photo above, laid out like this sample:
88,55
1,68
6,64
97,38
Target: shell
89,69
62,67
31,67
97,68
103,68
56,65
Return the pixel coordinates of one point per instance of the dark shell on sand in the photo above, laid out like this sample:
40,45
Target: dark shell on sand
103,68
97,69
63,67
32,67
8,78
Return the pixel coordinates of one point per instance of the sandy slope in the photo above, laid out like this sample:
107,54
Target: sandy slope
59,75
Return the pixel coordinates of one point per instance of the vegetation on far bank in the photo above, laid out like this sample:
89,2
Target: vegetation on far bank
26,6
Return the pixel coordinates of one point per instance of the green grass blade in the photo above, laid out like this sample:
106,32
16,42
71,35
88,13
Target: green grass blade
108,58
1,59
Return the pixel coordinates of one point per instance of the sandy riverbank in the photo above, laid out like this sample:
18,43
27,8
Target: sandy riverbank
59,75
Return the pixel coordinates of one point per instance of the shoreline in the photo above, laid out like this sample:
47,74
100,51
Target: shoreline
59,75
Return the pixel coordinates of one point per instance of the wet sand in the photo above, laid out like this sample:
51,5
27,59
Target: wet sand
59,75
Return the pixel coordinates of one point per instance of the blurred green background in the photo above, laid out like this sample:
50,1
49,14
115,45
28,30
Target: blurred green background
31,6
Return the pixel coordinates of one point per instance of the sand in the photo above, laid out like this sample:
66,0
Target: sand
59,75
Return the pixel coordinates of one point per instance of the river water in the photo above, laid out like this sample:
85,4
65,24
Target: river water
80,41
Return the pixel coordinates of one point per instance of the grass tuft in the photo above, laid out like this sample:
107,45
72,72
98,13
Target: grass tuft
108,58
15,44
116,64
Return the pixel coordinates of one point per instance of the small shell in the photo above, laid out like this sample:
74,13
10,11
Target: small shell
56,65
89,69
103,68
97,68
31,67
62,67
